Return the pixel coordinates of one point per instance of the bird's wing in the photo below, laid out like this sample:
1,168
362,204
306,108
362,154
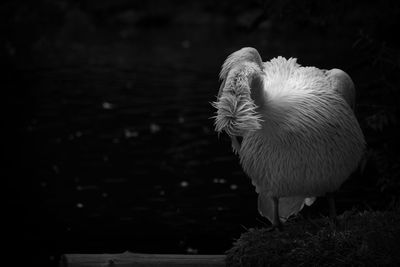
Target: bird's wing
343,84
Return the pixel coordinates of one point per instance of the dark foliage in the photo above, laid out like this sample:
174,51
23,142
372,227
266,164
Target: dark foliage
361,239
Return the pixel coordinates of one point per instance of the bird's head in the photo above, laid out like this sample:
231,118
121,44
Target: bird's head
244,55
242,82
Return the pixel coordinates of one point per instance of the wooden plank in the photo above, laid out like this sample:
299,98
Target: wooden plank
129,259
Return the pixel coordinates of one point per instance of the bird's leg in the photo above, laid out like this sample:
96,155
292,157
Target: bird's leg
332,208
276,222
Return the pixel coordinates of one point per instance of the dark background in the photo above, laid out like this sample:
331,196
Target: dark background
108,137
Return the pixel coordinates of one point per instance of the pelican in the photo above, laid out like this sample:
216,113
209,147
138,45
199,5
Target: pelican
293,128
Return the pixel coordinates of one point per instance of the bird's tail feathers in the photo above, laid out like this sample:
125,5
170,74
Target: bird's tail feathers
287,206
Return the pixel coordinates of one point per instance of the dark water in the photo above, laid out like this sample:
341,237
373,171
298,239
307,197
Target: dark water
128,153
119,148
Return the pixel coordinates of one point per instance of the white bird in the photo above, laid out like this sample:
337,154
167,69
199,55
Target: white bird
300,137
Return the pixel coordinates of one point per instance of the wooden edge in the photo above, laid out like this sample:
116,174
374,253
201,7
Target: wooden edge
129,259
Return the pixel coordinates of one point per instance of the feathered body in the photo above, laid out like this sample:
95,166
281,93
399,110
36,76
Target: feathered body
301,138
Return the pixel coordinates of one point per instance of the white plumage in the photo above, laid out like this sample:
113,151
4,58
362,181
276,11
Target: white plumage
301,138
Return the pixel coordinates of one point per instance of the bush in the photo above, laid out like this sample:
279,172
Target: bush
361,239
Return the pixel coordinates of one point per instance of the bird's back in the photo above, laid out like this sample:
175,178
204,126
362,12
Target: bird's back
310,140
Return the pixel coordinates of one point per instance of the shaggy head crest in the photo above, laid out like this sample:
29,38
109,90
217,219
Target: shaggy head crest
236,110
236,114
